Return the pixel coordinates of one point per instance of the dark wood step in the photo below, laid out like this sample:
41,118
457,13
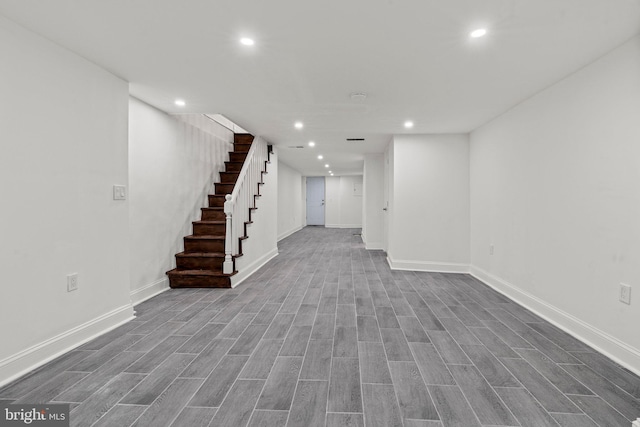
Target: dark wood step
216,200
213,214
224,188
233,166
237,157
199,279
200,261
209,228
229,177
204,244
244,138
240,147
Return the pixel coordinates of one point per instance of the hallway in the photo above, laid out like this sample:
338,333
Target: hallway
327,335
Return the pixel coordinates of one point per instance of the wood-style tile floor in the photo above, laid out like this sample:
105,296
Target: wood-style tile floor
327,335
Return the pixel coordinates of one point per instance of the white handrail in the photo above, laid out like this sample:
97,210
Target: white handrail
238,204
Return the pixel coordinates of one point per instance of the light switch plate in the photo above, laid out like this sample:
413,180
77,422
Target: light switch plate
119,192
625,293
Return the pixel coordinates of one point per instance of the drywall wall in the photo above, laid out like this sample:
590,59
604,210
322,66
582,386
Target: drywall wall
290,200
555,192
173,161
262,244
343,201
388,195
373,201
430,226
64,133
332,201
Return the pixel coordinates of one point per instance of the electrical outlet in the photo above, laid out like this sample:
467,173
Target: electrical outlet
625,293
72,282
490,249
119,192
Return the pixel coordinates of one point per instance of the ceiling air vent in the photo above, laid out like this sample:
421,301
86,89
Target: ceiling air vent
295,146
354,139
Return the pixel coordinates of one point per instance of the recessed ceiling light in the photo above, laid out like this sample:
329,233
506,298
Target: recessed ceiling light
326,166
312,144
298,125
180,102
358,96
247,41
320,157
331,172
478,33
408,124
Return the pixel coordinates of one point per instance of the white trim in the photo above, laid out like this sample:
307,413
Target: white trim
149,291
35,356
620,352
253,267
378,246
289,233
371,246
343,226
435,267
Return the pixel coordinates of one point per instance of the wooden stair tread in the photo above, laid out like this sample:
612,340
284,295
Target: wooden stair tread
201,254
199,273
205,237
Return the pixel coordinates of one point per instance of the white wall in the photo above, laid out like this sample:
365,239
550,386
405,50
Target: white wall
429,229
388,194
262,244
290,200
555,190
173,161
373,201
64,133
332,201
343,207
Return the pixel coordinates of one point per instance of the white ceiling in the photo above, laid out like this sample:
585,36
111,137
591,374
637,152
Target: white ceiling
413,58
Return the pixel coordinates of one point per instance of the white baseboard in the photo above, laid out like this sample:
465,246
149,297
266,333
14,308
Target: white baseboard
373,246
434,267
289,233
620,352
35,356
369,245
149,291
253,267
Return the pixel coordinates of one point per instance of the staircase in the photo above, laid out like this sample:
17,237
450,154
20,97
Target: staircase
201,263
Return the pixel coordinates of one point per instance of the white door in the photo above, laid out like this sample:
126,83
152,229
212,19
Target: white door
315,200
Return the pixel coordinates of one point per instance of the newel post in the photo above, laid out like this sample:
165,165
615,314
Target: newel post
227,266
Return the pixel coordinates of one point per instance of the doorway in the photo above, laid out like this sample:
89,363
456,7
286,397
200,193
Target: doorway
315,200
